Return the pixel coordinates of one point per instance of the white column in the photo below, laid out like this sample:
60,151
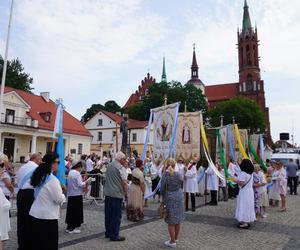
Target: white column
33,144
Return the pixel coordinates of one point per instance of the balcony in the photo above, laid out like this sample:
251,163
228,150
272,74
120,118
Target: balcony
19,121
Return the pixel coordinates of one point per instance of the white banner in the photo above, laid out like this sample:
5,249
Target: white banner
164,120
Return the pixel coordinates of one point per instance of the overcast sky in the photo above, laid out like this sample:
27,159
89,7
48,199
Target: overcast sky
96,50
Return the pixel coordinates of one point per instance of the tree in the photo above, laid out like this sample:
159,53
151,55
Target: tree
91,111
175,92
246,112
112,106
15,75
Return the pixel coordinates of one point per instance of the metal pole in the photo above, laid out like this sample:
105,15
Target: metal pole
5,60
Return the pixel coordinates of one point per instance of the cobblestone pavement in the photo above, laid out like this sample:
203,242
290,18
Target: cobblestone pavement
207,228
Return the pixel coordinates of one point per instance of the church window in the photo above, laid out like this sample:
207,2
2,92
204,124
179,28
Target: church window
248,55
249,83
146,92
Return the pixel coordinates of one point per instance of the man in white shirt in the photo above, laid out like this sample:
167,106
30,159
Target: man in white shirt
233,171
25,198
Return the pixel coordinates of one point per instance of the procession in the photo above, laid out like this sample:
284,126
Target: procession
182,163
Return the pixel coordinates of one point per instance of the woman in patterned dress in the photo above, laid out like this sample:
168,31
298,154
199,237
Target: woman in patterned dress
171,191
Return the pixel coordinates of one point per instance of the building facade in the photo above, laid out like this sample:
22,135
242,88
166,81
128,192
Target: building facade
105,129
27,124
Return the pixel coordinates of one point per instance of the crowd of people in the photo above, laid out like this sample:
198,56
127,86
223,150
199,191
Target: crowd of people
130,182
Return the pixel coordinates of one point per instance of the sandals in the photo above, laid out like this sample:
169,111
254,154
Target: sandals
244,226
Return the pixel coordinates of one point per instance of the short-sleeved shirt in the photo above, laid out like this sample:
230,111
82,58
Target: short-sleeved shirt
114,180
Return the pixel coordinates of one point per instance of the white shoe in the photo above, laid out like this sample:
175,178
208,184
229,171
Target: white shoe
76,231
264,216
169,244
69,231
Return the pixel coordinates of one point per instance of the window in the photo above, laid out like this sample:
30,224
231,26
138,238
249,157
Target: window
134,137
99,136
80,146
100,122
249,83
10,116
113,135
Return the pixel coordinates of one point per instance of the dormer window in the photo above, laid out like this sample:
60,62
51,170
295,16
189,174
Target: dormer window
46,116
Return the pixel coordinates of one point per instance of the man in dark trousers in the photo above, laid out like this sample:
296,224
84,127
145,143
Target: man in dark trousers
115,190
25,199
291,169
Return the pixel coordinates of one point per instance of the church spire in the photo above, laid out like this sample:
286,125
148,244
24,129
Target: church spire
164,75
246,17
194,68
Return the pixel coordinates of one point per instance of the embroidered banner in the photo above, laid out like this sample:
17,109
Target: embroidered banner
188,136
164,130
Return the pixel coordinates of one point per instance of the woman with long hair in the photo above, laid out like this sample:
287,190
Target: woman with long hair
245,212
135,206
49,197
171,191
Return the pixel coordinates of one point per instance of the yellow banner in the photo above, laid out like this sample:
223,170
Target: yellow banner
237,133
204,137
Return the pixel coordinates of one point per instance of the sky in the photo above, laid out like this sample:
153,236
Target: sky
97,50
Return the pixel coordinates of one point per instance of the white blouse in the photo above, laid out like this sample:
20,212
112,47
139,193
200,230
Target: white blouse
48,201
75,183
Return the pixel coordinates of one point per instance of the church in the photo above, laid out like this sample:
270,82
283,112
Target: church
249,85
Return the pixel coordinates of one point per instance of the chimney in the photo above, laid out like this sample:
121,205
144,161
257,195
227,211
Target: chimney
46,96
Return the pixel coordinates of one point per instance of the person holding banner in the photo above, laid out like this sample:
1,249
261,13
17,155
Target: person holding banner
245,213
25,198
171,192
191,185
44,212
212,185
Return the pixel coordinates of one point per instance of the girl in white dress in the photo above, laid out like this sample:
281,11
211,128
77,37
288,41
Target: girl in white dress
245,212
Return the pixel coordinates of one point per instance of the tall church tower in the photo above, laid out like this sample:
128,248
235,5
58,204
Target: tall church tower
164,74
194,74
250,84
249,71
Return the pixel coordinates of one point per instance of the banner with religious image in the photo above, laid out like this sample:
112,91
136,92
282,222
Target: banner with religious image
188,136
244,142
254,139
164,130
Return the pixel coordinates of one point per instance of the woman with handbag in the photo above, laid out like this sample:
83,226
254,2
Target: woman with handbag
245,212
135,207
171,191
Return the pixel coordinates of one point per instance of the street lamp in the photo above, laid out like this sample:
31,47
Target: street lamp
5,60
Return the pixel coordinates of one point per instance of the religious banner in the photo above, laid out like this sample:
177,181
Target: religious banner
240,142
188,136
254,139
164,131
223,141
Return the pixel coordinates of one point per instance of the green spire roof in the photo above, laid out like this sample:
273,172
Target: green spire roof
164,75
246,18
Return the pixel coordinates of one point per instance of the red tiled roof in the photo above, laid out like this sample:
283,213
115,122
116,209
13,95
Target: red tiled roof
38,105
132,124
221,91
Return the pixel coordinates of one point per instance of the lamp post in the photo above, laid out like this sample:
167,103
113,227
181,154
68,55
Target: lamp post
5,60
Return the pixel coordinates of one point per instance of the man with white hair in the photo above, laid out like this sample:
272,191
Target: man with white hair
25,198
115,190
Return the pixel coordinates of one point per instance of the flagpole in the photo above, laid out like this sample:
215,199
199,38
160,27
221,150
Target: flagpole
5,60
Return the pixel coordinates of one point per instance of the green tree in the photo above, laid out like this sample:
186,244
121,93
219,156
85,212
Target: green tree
246,112
112,106
175,92
91,111
15,75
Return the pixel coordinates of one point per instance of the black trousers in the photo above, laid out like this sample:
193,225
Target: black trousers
44,234
192,200
293,182
25,199
213,195
74,216
233,191
113,216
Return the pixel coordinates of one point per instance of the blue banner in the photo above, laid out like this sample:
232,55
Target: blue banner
60,150
172,147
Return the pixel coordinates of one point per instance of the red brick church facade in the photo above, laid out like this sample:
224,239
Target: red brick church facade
250,84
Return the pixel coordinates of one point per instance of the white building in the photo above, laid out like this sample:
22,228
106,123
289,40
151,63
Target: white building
105,129
27,122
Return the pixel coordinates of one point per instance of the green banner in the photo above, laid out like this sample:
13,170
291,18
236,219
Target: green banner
256,157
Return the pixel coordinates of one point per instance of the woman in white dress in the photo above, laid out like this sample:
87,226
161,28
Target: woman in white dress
191,185
4,217
245,212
